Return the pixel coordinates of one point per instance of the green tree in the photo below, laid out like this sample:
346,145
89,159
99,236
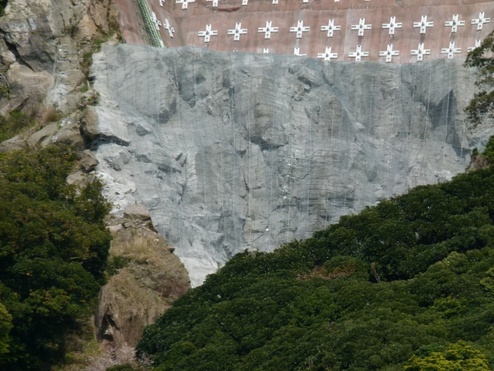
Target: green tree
457,357
53,250
482,105
5,327
404,277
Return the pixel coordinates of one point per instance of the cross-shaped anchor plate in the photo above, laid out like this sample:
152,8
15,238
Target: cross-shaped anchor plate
358,54
454,23
361,27
389,53
420,52
207,33
237,31
481,20
331,27
451,50
299,29
392,25
423,24
327,55
267,30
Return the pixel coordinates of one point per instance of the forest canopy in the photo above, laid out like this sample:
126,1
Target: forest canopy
53,250
406,284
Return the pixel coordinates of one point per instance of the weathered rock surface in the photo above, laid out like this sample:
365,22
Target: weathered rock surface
44,49
235,151
151,278
88,161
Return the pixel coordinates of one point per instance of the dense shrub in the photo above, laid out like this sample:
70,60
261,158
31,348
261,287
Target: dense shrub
398,285
53,250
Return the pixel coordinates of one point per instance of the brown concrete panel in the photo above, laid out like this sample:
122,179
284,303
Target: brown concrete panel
314,14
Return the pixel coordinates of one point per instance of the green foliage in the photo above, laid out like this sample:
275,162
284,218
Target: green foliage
5,327
400,284
3,4
53,251
458,356
481,106
125,367
487,157
115,263
14,123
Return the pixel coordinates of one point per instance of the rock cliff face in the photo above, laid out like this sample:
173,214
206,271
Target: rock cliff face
149,279
236,151
39,50
45,51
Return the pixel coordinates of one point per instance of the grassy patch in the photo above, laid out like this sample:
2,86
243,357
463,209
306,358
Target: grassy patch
13,124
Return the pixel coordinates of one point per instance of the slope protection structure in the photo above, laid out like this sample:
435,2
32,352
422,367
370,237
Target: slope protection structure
238,150
405,31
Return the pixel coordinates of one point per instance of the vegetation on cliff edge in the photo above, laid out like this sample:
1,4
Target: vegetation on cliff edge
53,250
407,284
481,106
402,284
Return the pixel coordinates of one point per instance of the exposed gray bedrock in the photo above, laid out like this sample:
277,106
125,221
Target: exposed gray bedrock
232,151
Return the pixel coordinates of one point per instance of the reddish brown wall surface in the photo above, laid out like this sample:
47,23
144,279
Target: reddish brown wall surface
316,13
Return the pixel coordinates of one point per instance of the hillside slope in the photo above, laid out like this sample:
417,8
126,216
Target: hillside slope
401,284
232,150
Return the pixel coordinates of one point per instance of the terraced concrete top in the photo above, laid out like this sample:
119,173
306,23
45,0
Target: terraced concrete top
338,30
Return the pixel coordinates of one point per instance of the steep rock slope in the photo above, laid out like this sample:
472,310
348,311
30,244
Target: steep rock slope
39,47
235,151
150,277
45,52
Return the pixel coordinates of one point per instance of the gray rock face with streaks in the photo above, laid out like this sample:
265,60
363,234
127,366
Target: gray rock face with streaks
235,151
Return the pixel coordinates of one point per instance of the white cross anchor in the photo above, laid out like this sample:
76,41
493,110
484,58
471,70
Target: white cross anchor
267,30
296,51
156,21
215,3
331,27
420,52
327,55
185,3
207,33
423,24
454,23
361,27
389,53
392,25
237,31
169,28
299,29
358,54
451,50
481,20
477,44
